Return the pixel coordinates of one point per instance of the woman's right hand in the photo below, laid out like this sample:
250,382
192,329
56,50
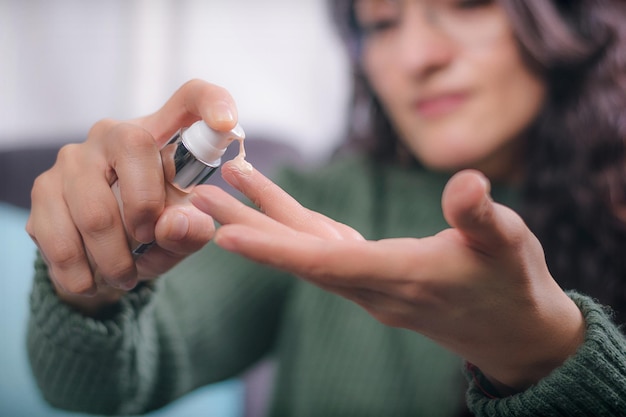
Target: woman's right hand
75,218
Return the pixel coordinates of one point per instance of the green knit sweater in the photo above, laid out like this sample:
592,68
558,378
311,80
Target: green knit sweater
216,314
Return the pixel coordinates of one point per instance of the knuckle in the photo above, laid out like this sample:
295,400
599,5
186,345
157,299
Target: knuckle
100,127
146,204
63,255
199,84
29,228
194,83
40,182
94,218
133,140
41,185
144,207
122,270
77,284
67,153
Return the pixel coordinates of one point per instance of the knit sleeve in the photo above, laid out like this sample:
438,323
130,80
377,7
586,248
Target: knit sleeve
590,383
73,356
207,320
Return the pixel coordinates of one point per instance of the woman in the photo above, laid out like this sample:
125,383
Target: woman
574,148
464,94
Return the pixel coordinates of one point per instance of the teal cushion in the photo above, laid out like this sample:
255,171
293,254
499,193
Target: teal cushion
19,395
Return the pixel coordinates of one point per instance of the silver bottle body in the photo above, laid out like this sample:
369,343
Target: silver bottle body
188,169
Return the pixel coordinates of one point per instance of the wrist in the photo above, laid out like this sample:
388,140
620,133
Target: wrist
551,346
594,373
96,306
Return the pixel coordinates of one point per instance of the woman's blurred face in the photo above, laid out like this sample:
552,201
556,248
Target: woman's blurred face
451,78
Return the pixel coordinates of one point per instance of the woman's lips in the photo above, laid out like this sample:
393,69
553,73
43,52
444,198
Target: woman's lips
440,105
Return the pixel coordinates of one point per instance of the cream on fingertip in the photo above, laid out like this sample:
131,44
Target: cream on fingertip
242,165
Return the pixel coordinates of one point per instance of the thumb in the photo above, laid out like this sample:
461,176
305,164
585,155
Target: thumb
184,229
468,207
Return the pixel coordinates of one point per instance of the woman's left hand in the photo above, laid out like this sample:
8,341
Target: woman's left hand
481,288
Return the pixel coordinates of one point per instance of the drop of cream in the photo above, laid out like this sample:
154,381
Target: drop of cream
240,160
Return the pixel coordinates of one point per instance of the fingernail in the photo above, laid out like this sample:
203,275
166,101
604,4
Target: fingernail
179,225
123,283
486,184
144,233
91,291
128,285
483,179
221,112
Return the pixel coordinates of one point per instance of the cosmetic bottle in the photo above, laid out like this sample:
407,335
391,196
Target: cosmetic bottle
189,158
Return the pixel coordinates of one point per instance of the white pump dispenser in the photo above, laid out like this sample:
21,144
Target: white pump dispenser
189,158
196,153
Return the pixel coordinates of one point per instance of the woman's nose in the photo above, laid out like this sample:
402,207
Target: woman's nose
423,45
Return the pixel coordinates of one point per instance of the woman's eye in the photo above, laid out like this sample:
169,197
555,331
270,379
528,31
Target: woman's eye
374,27
471,4
375,16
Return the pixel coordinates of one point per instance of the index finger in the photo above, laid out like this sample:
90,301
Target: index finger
134,157
280,206
194,100
335,262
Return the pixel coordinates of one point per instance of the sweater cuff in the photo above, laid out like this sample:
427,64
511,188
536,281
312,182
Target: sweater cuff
591,382
61,325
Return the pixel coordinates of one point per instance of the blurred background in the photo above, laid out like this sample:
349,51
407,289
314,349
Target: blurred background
65,64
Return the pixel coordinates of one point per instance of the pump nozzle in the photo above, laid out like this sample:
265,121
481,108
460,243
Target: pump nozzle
209,145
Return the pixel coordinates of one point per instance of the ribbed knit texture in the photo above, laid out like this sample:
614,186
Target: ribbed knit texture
217,314
595,377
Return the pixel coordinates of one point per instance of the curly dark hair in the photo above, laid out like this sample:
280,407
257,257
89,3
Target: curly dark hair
574,193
